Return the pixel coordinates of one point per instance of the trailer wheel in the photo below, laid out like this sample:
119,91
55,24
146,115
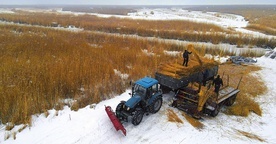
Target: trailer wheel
230,101
215,112
156,105
137,117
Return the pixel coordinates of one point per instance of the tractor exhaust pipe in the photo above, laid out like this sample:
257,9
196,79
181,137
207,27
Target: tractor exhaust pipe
116,122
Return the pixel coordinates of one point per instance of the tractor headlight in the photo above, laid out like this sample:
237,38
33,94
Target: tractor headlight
128,108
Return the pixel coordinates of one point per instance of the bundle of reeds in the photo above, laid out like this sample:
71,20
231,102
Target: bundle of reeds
197,63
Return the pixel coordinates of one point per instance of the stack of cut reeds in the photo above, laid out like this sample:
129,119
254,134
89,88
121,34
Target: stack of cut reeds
196,64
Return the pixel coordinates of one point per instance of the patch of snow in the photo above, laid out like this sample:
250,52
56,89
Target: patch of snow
72,29
218,58
6,10
228,20
148,53
120,74
172,53
271,54
35,10
69,101
96,46
254,33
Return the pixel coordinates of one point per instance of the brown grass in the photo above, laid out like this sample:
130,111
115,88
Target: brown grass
261,17
22,128
263,29
172,116
245,102
251,136
173,29
14,135
37,75
262,20
194,122
9,126
46,113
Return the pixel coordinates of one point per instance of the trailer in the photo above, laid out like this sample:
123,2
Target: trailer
169,82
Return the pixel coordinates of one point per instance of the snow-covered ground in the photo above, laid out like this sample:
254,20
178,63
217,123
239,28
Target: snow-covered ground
92,125
226,20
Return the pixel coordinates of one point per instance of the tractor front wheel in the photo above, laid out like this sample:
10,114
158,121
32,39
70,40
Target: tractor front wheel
156,105
119,108
137,117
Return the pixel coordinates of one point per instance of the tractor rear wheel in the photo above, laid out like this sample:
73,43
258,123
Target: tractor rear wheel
137,117
156,105
230,101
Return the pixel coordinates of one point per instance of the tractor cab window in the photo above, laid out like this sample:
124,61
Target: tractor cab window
139,90
154,88
149,92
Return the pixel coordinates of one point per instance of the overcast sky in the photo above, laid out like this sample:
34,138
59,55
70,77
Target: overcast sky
138,2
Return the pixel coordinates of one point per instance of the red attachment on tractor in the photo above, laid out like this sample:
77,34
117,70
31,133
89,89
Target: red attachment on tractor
117,124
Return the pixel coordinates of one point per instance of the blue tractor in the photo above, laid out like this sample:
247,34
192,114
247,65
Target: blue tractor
146,97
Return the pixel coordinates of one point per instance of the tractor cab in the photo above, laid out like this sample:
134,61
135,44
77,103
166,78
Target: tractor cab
145,88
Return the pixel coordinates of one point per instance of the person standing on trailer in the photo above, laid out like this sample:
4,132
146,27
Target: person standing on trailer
217,82
186,58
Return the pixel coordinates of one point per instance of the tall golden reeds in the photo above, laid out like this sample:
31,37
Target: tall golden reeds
41,67
174,29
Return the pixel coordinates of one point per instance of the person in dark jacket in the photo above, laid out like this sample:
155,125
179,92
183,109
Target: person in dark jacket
205,74
217,82
186,58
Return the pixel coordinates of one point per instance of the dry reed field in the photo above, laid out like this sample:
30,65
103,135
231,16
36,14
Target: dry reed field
41,67
261,17
174,29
